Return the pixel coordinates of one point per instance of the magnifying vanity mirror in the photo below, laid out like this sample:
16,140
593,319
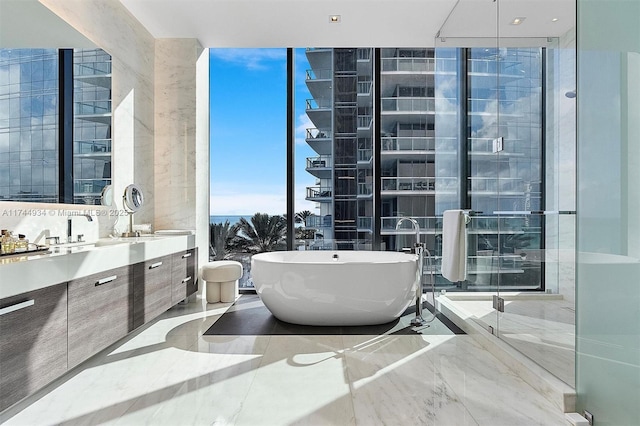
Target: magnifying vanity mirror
106,197
132,200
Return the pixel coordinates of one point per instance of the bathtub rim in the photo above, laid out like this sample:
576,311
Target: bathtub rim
272,257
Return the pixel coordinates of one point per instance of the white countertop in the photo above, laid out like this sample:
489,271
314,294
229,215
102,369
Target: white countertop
26,272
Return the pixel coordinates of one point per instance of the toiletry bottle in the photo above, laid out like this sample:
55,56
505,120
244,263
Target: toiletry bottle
4,231
22,244
8,243
12,242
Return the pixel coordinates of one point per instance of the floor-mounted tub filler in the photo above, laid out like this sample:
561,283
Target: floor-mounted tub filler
336,288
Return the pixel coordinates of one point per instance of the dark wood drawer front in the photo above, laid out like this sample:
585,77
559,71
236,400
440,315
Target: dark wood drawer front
184,275
33,341
152,289
100,312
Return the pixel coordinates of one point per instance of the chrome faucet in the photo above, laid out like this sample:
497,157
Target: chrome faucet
419,251
69,227
56,240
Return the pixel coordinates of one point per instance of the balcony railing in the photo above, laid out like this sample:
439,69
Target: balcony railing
407,104
365,189
92,107
318,221
478,225
89,186
319,162
94,146
446,144
365,223
428,224
318,192
408,184
394,144
331,244
365,155
314,133
92,68
364,121
485,145
364,54
315,104
492,66
408,64
319,74
494,185
364,88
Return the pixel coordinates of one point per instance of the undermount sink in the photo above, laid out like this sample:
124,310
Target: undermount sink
70,245
122,240
111,241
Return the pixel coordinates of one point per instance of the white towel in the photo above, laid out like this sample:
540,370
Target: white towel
454,246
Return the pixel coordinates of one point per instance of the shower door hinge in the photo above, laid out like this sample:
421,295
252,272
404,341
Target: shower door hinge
498,145
498,303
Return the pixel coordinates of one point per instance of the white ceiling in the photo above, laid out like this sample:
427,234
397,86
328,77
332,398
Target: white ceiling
380,23
304,23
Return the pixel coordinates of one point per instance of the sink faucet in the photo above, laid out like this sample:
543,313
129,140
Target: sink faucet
69,227
56,240
419,250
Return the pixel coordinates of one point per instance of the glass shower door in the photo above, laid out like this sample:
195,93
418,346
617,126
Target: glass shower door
534,185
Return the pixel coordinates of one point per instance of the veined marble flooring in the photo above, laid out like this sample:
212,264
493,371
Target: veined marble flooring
169,373
543,330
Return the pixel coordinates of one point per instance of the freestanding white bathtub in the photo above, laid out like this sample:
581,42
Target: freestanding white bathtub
335,287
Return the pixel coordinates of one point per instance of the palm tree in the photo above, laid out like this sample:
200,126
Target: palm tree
220,237
302,216
264,233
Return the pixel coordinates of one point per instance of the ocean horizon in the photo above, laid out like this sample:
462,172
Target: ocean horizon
232,219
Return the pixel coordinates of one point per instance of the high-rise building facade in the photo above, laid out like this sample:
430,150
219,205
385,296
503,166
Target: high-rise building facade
412,132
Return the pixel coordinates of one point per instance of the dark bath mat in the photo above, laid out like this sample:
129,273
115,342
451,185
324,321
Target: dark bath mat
249,316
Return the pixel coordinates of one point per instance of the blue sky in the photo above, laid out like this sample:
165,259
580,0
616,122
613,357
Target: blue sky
248,131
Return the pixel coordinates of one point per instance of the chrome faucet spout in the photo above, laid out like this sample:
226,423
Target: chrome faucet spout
415,225
70,228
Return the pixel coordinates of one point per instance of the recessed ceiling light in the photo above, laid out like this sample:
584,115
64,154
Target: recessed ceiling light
518,21
554,20
334,18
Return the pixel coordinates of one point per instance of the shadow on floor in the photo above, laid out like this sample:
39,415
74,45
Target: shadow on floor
249,316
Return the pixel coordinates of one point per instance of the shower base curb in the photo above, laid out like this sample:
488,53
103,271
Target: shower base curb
549,386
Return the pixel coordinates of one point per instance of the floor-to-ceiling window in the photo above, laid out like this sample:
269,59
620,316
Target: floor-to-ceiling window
248,153
348,108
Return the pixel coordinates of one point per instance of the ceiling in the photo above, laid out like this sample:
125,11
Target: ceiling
380,23
305,23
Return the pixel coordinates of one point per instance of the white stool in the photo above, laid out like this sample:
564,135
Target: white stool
221,277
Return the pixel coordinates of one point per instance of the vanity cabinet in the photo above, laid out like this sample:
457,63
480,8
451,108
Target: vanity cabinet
33,341
100,312
184,275
46,332
151,289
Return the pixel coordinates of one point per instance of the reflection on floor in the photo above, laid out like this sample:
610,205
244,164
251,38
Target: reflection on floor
169,372
542,328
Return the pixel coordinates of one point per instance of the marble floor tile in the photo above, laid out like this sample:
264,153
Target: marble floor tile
301,380
543,330
394,382
170,373
493,394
